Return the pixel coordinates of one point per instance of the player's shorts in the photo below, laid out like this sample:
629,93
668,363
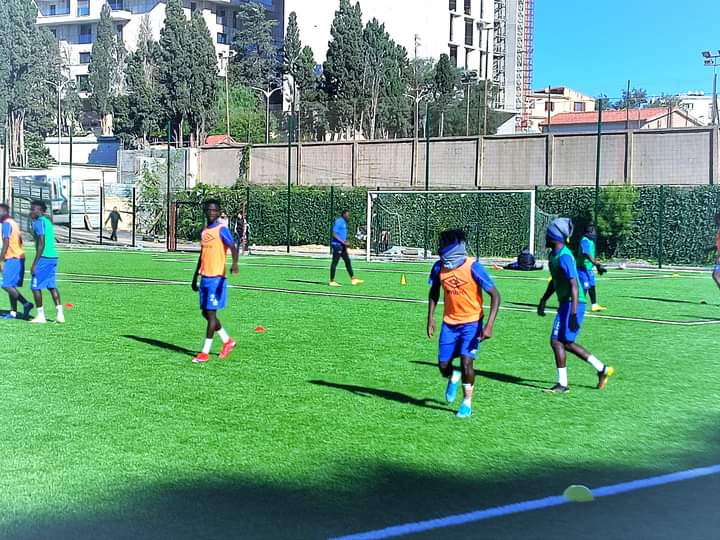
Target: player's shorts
13,273
561,327
213,293
457,340
716,270
45,276
587,278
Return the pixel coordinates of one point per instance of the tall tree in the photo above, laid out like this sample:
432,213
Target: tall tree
635,99
204,79
247,115
421,86
174,67
142,90
292,51
105,70
446,79
255,60
395,107
344,69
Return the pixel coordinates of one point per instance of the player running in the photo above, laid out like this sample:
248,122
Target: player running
44,267
211,267
339,244
463,280
586,264
571,309
12,263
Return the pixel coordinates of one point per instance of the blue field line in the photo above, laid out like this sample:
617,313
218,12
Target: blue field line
526,506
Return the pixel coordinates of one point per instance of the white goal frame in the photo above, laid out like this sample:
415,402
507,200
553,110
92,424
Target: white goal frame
375,193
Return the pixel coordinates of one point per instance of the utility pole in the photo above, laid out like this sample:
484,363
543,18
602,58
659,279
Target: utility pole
226,57
268,94
712,60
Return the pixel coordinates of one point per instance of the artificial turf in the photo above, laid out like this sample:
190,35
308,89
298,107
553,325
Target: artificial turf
333,421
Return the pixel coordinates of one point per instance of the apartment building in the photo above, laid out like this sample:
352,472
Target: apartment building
547,102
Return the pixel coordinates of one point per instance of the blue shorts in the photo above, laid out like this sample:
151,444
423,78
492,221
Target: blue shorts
561,327
459,340
13,273
587,278
213,293
45,274
717,269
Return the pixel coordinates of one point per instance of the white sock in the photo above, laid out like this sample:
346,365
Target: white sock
597,364
223,335
467,389
40,313
207,346
59,309
13,314
455,377
562,376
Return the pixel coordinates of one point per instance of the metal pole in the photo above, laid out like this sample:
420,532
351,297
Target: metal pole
289,179
70,186
549,108
627,107
134,214
59,144
4,165
267,118
227,99
714,105
661,219
467,111
485,88
167,194
597,161
427,177
102,206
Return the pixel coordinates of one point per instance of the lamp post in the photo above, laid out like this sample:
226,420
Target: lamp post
468,78
268,94
713,60
486,79
59,86
226,56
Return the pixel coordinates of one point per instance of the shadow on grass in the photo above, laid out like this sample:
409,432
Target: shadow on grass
363,496
308,282
388,395
509,379
161,345
670,300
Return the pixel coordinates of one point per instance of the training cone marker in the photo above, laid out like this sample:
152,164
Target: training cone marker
260,329
69,306
403,280
676,275
578,494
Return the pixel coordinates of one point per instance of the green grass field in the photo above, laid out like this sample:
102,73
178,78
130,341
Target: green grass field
333,421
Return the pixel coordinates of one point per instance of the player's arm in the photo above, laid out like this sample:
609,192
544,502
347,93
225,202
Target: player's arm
337,239
494,307
229,242
586,253
194,284
549,291
5,247
433,299
39,230
574,325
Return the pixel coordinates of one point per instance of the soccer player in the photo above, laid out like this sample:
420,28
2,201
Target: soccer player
44,267
12,263
216,240
339,244
463,280
586,263
571,309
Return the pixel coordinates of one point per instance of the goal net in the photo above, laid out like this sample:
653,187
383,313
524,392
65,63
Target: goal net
405,225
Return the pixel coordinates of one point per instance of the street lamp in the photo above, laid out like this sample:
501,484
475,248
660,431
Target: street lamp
713,60
487,27
468,78
268,94
226,56
59,86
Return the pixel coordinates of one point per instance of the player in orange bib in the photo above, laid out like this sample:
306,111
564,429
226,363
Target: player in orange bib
463,280
12,263
217,240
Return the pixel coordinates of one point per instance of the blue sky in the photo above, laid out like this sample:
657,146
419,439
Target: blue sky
595,46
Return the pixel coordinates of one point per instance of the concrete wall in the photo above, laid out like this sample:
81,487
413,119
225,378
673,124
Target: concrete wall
669,156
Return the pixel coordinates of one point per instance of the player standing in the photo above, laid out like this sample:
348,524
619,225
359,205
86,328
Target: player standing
12,263
44,267
586,264
339,244
571,309
211,268
463,280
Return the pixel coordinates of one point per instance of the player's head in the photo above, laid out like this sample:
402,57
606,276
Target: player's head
591,231
114,208
37,209
4,211
558,232
345,214
212,210
452,237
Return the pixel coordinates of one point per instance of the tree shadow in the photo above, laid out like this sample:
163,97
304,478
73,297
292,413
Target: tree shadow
509,379
388,395
161,345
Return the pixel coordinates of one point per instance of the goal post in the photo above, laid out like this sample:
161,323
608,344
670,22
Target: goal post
405,225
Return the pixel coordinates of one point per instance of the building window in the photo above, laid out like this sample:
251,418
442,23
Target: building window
469,37
53,31
85,34
579,106
84,57
119,30
222,38
468,52
453,5
116,4
549,107
220,17
83,8
452,33
83,83
52,10
235,19
468,7
193,7
453,55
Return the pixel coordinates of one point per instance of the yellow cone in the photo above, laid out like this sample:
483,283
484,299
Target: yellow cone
403,280
579,494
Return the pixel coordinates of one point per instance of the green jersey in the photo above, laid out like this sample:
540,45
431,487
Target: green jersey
42,226
586,251
563,268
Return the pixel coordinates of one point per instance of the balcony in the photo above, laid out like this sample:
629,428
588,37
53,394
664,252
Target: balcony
69,18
